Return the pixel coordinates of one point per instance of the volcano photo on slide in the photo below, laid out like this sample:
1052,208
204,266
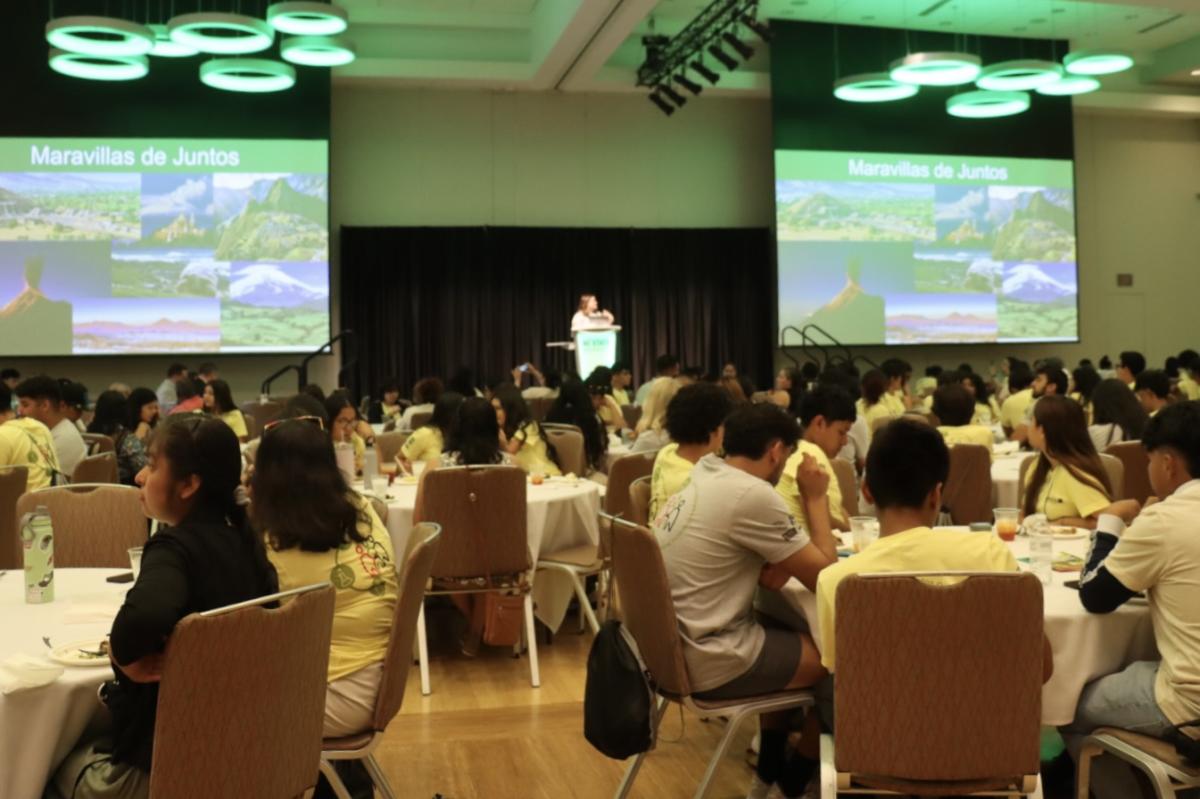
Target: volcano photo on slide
275,302
1038,301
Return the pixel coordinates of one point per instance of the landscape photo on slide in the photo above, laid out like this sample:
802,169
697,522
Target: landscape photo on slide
108,324
830,211
273,302
66,206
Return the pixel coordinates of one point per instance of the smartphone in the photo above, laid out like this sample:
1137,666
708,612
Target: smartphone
124,577
524,367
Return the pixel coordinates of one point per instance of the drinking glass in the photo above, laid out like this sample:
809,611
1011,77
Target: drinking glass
135,561
865,530
1006,523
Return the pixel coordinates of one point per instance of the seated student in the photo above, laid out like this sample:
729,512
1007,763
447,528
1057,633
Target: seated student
40,398
664,366
522,435
1020,397
425,396
954,407
1156,551
695,419
599,383
987,410
206,558
166,389
789,390
314,525
207,372
190,395
1189,374
1084,381
650,433
427,442
872,407
1116,414
1049,381
826,415
622,379
387,407
27,442
1129,366
143,412
343,426
1068,482
543,386
1153,390
74,402
476,438
925,386
897,397
725,534
578,404
218,400
112,412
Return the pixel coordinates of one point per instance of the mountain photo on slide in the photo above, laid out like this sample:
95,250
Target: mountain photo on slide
276,302
1038,301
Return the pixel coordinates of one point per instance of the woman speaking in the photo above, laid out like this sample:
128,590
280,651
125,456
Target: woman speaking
589,315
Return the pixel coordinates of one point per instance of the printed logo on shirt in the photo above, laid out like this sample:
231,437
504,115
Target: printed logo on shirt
673,517
792,529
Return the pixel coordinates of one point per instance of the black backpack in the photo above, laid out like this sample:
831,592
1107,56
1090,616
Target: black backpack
619,717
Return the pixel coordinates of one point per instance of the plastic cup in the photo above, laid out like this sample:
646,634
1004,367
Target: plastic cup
1006,523
1041,553
379,486
864,530
135,561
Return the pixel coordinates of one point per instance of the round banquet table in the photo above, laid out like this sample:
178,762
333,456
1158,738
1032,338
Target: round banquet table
560,514
39,726
1085,645
1006,469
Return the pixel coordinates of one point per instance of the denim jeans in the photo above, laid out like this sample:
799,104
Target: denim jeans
1124,700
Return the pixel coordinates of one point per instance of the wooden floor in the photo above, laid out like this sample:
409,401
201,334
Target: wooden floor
485,733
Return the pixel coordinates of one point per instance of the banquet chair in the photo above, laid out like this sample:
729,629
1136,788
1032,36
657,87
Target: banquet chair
1136,463
1155,758
380,507
263,412
97,443
648,613
963,716
396,662
843,471
387,446
587,560
253,428
539,407
632,414
13,480
241,704
94,524
639,501
967,496
420,420
484,543
100,468
568,442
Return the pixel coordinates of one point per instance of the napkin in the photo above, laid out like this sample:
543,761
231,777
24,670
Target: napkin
20,672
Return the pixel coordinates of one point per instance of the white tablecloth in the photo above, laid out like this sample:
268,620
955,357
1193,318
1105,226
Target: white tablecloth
1005,475
1085,645
560,514
39,726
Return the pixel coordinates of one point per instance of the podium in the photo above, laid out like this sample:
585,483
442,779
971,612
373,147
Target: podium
595,346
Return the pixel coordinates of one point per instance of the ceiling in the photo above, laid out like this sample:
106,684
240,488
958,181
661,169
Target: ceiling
595,45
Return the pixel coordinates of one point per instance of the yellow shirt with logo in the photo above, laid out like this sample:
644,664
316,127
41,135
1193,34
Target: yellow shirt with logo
236,422
1012,412
787,488
671,473
425,444
1065,495
533,455
968,434
28,442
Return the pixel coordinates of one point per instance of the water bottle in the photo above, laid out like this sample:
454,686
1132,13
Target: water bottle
344,451
370,469
37,544
1041,548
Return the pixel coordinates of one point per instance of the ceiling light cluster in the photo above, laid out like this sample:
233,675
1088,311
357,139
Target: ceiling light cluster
1001,89
114,49
713,33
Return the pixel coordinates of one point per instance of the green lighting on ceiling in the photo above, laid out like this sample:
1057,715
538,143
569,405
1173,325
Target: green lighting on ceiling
220,33
986,104
1097,62
936,69
1019,75
872,87
165,47
99,36
1068,85
99,67
307,18
317,51
254,75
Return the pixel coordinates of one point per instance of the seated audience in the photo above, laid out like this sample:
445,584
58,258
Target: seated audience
315,391
313,525
664,366
207,372
694,422
734,388
1130,365
987,410
826,415
897,398
1189,374
544,385
425,396
622,379
1068,482
1020,398
428,441
1155,552
218,400
1153,390
40,398
1116,415
207,557
189,395
1049,381
475,439
463,382
27,442
112,413
143,412
10,377
789,390
74,402
872,407
956,411
387,407
166,389
729,371
524,439
599,384
650,434
1084,380
576,405
343,426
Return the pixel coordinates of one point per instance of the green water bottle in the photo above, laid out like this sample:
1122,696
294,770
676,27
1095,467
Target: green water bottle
37,540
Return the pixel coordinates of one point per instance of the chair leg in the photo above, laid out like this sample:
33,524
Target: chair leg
335,782
423,650
378,777
1083,770
631,772
586,614
731,727
535,676
828,769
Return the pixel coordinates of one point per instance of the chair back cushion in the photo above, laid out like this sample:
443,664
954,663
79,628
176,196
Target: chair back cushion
968,491
242,702
639,501
939,682
1116,474
94,525
420,419
97,443
632,415
624,471
387,446
1136,460
101,468
262,412
539,407
843,470
568,443
647,610
13,480
482,512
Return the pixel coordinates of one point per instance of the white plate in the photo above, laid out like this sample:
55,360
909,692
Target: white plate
1062,531
71,654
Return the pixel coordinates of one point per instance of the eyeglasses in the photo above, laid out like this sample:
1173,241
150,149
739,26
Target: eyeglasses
317,420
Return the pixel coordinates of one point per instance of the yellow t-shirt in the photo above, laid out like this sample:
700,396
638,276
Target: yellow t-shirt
1012,412
236,422
985,414
787,488
880,410
894,402
919,549
1188,387
671,473
1065,495
533,456
364,578
968,434
621,396
28,442
425,444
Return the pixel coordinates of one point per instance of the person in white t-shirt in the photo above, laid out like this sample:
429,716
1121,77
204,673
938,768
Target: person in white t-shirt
589,315
1155,550
40,398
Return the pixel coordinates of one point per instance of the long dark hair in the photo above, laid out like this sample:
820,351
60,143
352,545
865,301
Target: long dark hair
222,397
209,449
981,389
574,406
1067,442
300,496
874,384
1086,379
517,416
1114,403
476,437
112,411
445,413
138,399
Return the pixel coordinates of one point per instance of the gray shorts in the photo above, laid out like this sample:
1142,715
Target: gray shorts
771,672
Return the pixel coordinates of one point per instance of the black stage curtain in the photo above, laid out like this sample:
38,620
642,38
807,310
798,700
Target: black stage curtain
425,301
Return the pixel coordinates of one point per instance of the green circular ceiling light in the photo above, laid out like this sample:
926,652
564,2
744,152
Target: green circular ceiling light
255,75
166,47
1097,62
1019,75
317,51
307,18
99,67
986,104
936,69
99,36
219,33
872,87
1068,85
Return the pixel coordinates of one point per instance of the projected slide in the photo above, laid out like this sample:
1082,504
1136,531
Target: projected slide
883,248
163,245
